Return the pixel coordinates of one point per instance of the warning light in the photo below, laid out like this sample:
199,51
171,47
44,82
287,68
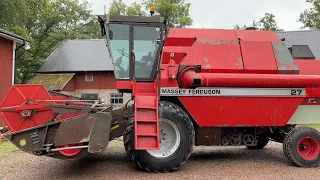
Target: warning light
152,9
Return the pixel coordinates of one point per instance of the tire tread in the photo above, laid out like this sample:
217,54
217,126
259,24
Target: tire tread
132,153
288,145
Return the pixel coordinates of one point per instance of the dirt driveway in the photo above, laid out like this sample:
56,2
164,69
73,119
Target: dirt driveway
205,163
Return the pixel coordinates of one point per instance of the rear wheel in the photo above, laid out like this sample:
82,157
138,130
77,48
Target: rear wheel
176,141
301,146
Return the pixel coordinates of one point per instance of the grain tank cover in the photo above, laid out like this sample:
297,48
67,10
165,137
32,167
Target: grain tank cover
227,50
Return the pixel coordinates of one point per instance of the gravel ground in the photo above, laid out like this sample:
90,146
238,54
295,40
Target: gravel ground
205,163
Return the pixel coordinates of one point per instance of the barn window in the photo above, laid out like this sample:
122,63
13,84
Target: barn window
89,77
116,98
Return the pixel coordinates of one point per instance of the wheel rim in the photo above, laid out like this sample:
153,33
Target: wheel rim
308,148
70,152
169,139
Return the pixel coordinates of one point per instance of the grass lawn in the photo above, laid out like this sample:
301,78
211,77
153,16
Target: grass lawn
6,147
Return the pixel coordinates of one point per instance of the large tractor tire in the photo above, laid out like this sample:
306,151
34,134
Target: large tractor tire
301,146
177,138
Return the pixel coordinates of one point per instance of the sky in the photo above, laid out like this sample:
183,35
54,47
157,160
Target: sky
227,13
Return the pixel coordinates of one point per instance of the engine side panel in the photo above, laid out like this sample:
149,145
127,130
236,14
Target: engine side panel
241,111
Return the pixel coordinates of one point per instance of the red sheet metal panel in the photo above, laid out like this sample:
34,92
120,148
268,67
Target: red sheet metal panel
251,111
254,35
6,64
212,34
258,56
178,54
308,67
175,41
215,55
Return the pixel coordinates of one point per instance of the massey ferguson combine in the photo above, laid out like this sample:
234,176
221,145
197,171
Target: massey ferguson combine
194,87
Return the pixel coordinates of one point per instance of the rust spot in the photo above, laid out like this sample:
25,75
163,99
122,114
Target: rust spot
217,42
274,118
207,66
239,63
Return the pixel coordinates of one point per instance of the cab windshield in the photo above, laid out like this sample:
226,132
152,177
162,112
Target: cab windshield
144,45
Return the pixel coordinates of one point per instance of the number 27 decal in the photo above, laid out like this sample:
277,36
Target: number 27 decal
296,92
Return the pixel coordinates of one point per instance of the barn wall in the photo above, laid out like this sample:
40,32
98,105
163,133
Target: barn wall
70,86
6,64
101,80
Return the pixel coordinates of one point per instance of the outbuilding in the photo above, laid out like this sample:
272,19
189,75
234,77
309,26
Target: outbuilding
9,44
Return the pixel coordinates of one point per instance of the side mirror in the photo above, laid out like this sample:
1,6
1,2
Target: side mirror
110,35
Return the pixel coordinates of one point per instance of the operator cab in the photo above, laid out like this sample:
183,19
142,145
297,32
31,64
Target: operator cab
134,44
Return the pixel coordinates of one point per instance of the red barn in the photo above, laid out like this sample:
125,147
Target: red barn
9,43
81,67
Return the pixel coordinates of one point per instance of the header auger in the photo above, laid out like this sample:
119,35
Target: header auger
194,87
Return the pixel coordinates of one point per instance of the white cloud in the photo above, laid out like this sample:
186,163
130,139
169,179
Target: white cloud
227,13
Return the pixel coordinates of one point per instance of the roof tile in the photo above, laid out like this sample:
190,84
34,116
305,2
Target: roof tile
52,82
79,55
303,37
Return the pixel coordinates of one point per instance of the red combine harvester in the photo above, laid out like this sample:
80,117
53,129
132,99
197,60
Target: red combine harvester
195,87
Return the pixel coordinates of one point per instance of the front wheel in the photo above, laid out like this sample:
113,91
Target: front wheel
302,146
177,139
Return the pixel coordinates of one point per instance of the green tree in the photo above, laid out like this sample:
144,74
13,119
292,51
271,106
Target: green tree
46,23
253,25
267,22
118,7
176,12
310,18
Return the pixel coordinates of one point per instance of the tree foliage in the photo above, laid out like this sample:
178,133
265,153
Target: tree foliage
310,18
46,23
176,12
253,25
267,22
118,7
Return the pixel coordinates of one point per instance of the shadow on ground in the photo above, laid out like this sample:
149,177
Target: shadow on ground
205,163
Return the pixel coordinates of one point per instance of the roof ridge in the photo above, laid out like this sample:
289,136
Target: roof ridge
13,35
306,30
